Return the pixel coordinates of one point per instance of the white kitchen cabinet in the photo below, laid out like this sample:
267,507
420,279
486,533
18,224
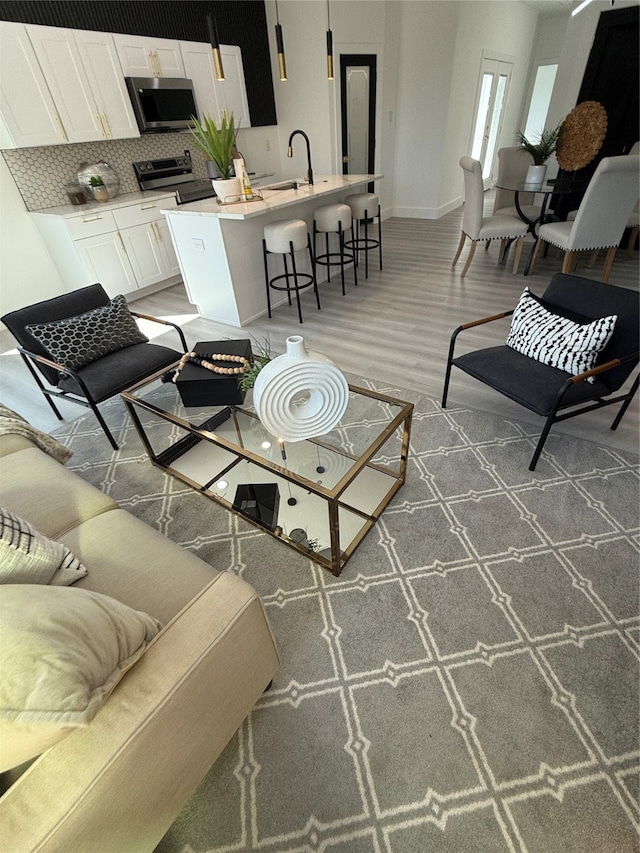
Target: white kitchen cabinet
28,114
102,66
232,91
144,56
124,247
198,67
213,95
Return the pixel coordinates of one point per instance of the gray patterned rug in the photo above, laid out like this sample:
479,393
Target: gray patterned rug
470,681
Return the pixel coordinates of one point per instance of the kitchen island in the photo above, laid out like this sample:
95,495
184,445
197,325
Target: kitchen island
219,247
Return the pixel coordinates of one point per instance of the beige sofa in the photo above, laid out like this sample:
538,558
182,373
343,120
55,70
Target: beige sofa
119,782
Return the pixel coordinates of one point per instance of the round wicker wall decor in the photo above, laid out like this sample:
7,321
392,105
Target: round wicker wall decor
582,135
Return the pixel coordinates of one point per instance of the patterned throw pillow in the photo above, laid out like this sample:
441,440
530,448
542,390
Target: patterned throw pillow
556,341
77,341
27,556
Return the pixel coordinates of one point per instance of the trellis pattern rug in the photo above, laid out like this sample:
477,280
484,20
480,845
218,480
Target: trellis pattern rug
470,681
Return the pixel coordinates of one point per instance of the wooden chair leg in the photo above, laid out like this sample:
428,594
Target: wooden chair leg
518,253
536,252
472,252
593,258
568,262
463,237
632,241
608,263
486,244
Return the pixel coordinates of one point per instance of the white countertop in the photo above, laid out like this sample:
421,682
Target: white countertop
272,199
123,200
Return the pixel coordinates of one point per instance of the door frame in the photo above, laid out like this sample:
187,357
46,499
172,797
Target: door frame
347,60
501,59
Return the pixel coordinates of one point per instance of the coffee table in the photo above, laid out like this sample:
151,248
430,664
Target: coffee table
330,490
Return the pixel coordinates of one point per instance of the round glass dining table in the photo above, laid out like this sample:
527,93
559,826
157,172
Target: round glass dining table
546,189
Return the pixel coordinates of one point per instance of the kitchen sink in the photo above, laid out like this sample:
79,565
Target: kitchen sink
283,185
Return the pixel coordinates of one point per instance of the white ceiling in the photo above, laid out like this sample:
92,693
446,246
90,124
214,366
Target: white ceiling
552,7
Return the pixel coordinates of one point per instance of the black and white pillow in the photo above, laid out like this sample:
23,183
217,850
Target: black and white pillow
555,340
77,341
28,556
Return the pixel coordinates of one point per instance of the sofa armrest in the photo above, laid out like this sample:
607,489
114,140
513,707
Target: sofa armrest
118,784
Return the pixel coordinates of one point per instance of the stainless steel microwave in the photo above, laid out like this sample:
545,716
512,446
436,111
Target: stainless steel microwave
162,103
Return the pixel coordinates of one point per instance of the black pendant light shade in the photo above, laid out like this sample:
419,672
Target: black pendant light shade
329,45
215,47
282,63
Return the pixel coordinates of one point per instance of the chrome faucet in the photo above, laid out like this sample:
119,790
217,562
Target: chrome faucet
290,153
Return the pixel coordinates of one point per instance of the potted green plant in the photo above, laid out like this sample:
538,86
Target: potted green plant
540,151
218,143
98,188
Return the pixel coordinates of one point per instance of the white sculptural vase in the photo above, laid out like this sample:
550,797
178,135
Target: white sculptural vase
300,394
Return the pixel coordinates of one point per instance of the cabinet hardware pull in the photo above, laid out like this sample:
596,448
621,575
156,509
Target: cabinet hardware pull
62,130
106,126
124,249
91,218
148,206
99,118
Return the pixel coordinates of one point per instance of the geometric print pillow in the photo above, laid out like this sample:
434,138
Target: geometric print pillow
28,556
77,341
556,341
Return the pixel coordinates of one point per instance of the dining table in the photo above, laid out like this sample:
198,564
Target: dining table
546,189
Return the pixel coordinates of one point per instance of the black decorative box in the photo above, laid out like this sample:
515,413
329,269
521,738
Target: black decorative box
259,501
201,387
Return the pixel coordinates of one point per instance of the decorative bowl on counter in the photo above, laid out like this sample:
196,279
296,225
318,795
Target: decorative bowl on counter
88,170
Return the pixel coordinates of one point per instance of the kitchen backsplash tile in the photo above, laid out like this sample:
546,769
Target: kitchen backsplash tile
41,173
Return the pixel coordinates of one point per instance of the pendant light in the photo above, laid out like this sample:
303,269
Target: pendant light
215,47
282,65
329,45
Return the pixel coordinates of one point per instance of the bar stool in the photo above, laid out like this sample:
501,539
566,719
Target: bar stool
285,238
364,207
334,219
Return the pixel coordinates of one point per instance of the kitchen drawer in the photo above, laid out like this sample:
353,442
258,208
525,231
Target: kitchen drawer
139,214
91,224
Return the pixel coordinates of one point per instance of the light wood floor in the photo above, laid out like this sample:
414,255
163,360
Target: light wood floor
395,326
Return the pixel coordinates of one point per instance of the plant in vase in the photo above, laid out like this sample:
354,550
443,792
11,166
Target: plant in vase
258,361
540,151
218,144
99,190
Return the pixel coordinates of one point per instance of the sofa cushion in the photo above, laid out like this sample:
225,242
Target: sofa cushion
63,499
62,651
555,340
76,341
26,556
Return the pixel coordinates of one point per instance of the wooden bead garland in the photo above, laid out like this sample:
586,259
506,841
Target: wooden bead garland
206,361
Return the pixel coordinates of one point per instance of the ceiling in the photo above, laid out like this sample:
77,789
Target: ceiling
551,7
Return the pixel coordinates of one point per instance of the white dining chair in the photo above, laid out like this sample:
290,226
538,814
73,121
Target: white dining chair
513,164
602,216
478,227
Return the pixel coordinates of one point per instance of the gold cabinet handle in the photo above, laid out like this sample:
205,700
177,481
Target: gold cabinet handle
101,123
91,218
63,132
148,206
107,129
122,242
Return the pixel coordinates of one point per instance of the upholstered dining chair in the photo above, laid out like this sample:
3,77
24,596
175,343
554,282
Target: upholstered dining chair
87,347
602,216
478,227
567,352
512,167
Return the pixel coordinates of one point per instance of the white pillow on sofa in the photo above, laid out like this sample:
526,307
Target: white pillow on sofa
62,652
28,556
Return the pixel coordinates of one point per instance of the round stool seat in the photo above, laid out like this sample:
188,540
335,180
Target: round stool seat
331,217
279,235
362,205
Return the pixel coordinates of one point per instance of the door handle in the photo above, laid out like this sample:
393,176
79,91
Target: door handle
345,159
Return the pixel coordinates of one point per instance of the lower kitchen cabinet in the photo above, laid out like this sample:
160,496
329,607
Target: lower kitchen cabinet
124,248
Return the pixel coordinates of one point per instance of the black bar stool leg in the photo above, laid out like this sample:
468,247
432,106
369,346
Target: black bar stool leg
266,276
380,236
295,282
287,275
366,243
313,271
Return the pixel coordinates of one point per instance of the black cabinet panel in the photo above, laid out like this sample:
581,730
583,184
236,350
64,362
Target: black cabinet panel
241,22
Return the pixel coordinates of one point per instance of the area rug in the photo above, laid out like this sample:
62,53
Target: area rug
469,682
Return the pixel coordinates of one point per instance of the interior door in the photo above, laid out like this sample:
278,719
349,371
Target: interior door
358,110
493,88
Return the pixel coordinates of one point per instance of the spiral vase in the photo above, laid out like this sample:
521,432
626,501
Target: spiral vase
300,394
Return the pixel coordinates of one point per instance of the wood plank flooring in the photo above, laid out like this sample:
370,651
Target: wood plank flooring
395,326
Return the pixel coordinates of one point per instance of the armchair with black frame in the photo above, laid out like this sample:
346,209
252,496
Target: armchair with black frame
545,388
87,347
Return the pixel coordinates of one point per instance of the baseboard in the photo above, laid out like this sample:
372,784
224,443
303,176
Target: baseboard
426,212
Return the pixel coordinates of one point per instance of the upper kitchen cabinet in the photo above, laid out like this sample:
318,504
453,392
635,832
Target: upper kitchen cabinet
213,95
60,85
101,63
145,56
28,114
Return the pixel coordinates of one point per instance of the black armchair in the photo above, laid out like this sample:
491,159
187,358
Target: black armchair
100,378
549,391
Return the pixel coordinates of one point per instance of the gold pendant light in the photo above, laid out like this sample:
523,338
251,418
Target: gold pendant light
282,64
215,47
329,45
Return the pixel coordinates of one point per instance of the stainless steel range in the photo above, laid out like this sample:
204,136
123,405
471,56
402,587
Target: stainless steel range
174,174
